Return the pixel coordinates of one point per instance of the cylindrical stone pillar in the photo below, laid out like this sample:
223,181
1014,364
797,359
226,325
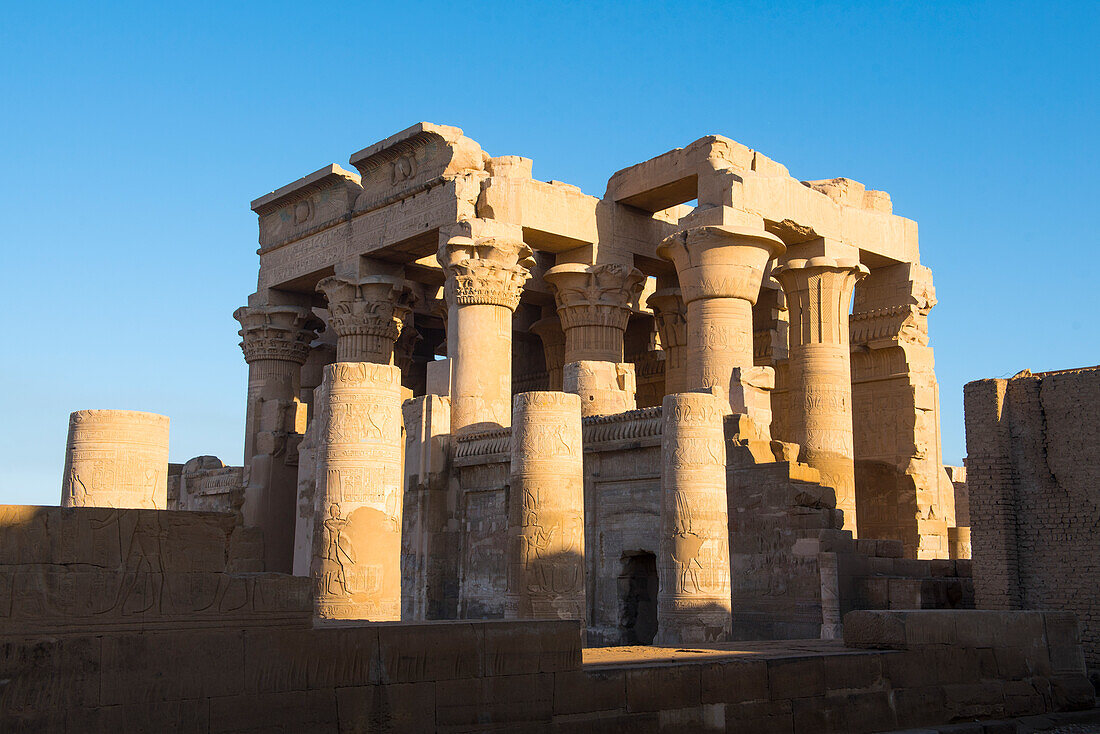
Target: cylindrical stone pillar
546,509
605,388
819,297
357,453
720,270
594,304
484,284
275,341
553,347
116,458
670,314
693,601
367,315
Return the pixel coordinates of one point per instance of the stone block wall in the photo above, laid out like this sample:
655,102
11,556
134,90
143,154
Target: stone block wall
67,571
1033,475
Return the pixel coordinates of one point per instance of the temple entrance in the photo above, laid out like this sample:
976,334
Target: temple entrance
638,598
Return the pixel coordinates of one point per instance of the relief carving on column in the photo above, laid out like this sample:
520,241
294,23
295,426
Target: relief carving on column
490,271
281,333
367,314
719,261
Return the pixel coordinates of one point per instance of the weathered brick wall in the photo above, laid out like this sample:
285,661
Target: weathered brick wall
1033,472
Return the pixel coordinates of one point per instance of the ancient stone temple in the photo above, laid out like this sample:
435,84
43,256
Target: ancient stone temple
498,430
801,307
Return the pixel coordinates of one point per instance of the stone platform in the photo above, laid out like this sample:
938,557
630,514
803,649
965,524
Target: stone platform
895,670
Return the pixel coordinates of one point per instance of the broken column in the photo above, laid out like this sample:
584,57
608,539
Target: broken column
357,452
546,509
693,602
720,268
670,314
818,279
367,313
485,280
594,304
605,388
116,458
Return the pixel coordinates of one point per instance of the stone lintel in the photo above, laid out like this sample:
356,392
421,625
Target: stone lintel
320,179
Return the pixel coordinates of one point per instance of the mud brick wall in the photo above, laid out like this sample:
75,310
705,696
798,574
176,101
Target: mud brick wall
1033,471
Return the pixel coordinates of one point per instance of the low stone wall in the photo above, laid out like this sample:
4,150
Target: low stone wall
85,569
900,669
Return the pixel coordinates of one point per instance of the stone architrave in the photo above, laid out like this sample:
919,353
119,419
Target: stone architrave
485,280
670,313
819,297
367,314
116,458
605,388
546,563
357,451
550,332
693,602
720,268
594,304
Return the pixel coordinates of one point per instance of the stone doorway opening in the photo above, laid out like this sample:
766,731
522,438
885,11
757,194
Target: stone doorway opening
638,598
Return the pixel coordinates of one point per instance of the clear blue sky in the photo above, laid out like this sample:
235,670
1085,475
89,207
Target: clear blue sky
133,136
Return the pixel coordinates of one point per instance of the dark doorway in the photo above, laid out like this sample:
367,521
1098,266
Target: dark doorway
638,598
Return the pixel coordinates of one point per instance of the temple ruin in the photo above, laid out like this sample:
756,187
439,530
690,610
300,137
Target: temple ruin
666,459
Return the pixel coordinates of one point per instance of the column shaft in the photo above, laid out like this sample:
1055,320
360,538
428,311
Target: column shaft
819,296
719,341
546,509
357,451
116,458
481,364
693,603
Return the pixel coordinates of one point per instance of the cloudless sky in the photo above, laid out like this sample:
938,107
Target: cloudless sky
134,136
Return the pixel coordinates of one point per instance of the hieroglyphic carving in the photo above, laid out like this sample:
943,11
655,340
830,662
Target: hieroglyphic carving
116,458
357,536
693,603
546,509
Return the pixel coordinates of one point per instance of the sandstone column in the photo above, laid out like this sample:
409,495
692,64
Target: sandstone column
605,388
819,297
550,332
367,314
116,458
720,268
357,453
693,603
275,342
546,509
484,282
594,304
671,316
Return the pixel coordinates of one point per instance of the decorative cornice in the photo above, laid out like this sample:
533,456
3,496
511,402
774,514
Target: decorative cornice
483,447
490,271
279,333
633,426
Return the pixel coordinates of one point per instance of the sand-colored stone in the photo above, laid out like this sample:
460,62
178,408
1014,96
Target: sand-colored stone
819,279
594,304
550,333
357,532
670,313
116,458
693,604
367,314
720,269
604,387
546,567
484,282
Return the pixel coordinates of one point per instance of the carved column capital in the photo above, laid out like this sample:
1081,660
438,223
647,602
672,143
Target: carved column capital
819,296
490,271
720,261
281,333
367,314
670,313
594,304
